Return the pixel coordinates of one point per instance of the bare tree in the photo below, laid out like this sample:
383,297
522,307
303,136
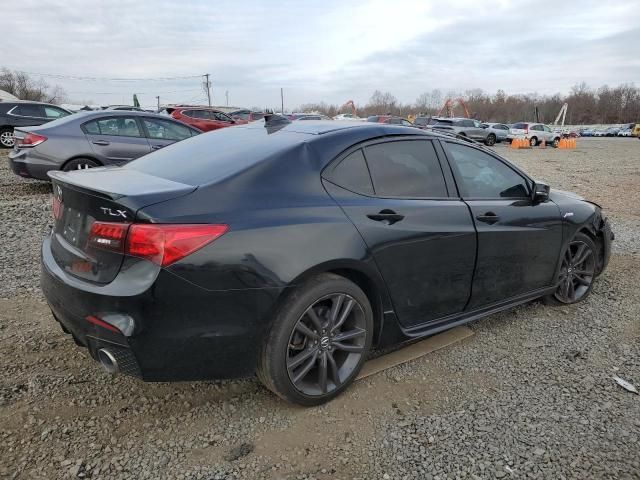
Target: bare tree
25,88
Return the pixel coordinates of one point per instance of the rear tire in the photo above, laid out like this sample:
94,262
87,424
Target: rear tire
491,140
7,139
80,164
319,340
533,142
577,272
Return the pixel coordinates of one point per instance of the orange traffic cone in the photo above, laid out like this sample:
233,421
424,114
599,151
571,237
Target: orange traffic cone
514,143
561,144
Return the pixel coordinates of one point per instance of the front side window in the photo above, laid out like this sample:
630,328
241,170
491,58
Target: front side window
120,126
220,117
52,112
165,130
547,129
480,175
408,169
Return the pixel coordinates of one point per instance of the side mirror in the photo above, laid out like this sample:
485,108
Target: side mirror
540,192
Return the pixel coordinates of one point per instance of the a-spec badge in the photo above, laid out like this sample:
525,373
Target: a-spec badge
114,212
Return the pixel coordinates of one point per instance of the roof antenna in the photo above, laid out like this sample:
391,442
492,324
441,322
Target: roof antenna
272,119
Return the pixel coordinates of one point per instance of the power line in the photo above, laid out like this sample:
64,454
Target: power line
76,77
139,93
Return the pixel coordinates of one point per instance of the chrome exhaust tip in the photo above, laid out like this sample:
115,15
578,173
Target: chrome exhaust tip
108,361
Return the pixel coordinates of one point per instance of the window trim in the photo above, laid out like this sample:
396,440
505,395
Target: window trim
114,117
326,171
449,158
10,112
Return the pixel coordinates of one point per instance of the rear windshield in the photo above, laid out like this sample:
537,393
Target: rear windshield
520,126
212,156
444,122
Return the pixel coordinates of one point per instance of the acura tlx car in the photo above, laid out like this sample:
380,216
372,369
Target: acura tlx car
292,249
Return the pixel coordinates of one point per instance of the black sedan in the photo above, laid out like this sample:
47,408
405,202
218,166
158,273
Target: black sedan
92,139
291,249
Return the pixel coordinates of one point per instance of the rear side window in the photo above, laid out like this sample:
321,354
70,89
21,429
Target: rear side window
52,112
29,111
519,126
352,173
407,169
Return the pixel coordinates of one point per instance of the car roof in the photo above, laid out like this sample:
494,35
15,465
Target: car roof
321,127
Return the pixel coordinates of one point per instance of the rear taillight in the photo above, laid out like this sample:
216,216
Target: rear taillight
56,208
31,140
166,244
161,244
108,236
526,129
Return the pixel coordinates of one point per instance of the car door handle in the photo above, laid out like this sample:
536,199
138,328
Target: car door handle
386,216
100,142
157,147
488,217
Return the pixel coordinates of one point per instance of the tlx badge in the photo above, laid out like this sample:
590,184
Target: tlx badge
114,213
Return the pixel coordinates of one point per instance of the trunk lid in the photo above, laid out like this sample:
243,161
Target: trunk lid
100,195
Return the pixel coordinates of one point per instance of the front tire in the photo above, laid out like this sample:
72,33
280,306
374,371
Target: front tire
577,271
318,342
491,140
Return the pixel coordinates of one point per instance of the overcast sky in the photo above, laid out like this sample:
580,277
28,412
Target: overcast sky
332,50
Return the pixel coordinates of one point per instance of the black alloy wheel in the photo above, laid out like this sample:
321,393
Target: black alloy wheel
319,340
326,344
578,270
491,140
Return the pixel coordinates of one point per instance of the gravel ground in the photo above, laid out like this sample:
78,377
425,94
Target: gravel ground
531,395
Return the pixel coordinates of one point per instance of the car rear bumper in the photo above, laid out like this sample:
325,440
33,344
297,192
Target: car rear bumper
182,331
23,164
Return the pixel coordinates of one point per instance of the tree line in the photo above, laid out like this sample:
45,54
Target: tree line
607,105
24,87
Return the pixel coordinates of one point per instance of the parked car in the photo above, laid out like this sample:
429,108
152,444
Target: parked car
92,139
425,122
389,120
307,116
15,114
466,127
183,265
599,133
202,118
626,132
611,132
535,132
586,132
123,107
246,115
500,130
348,117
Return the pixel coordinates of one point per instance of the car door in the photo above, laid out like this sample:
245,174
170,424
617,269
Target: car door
422,240
116,139
518,240
548,134
161,133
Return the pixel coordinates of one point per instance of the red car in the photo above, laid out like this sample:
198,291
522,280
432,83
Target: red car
390,119
203,118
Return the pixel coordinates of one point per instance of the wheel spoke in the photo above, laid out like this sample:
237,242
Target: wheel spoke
571,292
334,369
302,328
296,361
348,348
578,253
322,372
308,366
335,310
582,272
341,337
346,310
583,257
582,281
313,316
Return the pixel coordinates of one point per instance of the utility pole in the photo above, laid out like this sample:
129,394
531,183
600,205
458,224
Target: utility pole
158,99
281,100
226,94
207,86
